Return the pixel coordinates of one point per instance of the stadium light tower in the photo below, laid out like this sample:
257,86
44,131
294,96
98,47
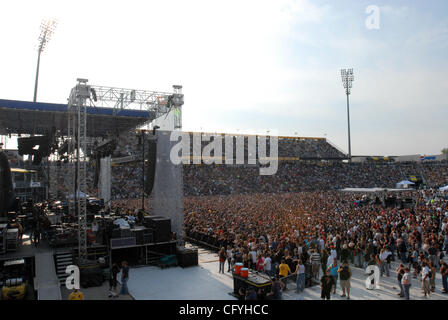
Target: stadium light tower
46,30
347,79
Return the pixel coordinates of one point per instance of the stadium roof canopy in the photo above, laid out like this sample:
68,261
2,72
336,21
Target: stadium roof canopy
24,117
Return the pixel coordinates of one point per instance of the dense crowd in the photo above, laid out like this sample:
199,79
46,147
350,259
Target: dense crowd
266,231
129,143
278,223
291,176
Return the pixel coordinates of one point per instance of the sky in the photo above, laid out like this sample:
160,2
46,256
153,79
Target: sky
250,64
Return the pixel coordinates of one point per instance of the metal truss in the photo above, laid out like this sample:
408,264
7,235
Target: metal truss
77,131
83,95
120,99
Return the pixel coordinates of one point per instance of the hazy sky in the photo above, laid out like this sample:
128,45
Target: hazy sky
250,64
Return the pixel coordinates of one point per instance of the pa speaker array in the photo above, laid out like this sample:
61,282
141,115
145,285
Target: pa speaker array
151,169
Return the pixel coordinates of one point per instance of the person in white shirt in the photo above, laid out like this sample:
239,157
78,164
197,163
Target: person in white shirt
268,266
333,254
253,255
322,244
229,258
406,282
426,276
384,267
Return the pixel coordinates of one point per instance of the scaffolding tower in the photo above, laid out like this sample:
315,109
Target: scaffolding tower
157,104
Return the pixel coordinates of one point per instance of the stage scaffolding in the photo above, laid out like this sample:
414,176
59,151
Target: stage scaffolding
158,104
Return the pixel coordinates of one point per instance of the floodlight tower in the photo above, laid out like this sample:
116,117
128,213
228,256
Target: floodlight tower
347,79
46,31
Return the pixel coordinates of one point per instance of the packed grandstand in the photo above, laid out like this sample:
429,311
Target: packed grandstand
306,164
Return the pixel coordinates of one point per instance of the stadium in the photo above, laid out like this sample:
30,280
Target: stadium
108,197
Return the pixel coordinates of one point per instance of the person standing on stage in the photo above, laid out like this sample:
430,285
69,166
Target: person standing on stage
36,236
113,280
124,278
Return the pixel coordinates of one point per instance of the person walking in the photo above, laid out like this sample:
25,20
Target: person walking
284,271
229,258
36,237
334,273
344,253
315,263
113,282
267,265
323,260
345,275
406,283
300,272
426,277
222,259
124,278
326,284
260,263
384,265
432,280
276,289
400,273
444,273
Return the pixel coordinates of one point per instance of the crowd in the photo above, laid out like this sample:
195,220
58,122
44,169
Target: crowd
278,233
129,143
291,176
308,148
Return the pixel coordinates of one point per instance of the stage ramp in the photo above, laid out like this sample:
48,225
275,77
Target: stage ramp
46,281
168,186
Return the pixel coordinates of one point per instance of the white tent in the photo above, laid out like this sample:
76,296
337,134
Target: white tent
404,184
80,195
445,188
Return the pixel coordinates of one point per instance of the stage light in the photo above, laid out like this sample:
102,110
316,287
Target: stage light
93,94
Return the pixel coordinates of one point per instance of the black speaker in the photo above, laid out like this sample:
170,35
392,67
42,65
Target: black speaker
91,277
162,229
116,233
151,168
138,234
148,221
7,196
148,236
187,257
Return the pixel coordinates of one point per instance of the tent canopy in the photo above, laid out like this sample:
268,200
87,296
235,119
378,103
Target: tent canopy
80,194
404,184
